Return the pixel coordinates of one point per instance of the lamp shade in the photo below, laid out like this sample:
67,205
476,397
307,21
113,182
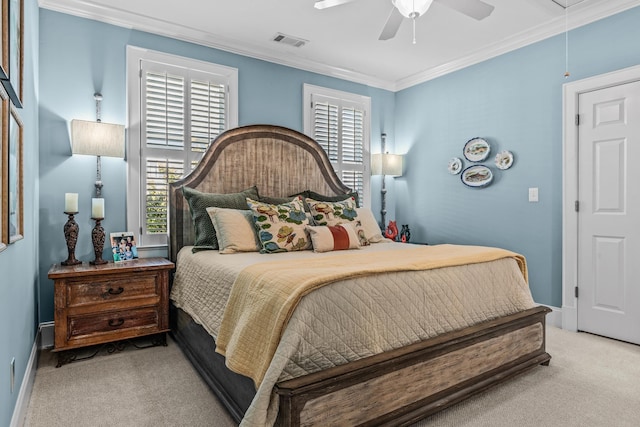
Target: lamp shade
412,8
97,138
386,164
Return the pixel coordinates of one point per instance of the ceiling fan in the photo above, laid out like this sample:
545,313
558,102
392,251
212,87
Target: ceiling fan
413,9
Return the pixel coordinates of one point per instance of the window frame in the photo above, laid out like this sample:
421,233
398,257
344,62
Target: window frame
341,97
135,57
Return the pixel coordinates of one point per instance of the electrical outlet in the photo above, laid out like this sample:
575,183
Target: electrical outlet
13,373
533,194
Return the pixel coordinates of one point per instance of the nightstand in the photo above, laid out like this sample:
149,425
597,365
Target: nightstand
98,304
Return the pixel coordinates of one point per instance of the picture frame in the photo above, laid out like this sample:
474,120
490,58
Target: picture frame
4,151
123,246
15,181
13,49
4,36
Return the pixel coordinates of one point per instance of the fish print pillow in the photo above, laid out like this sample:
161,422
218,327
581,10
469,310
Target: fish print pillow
281,228
336,213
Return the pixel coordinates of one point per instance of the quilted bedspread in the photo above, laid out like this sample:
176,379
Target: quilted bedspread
356,317
265,295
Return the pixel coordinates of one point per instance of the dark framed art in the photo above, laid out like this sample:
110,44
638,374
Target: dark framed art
15,179
4,35
4,152
13,49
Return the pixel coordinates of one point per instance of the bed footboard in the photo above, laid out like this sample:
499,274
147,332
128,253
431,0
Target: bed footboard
405,385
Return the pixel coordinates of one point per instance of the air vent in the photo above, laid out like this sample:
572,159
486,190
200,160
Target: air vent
565,4
289,40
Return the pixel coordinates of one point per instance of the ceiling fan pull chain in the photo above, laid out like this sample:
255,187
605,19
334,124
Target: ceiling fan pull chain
414,30
414,21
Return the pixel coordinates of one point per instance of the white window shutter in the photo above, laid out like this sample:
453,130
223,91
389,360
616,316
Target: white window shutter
208,115
339,124
181,111
159,173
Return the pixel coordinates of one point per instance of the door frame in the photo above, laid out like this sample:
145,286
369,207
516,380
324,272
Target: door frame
570,98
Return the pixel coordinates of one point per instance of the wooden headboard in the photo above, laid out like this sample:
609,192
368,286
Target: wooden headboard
278,160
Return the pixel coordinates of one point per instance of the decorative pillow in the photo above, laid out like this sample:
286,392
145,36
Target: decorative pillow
280,200
333,238
370,226
234,230
322,198
199,202
281,228
335,213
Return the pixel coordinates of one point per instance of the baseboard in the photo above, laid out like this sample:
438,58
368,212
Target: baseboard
570,318
20,411
46,335
555,317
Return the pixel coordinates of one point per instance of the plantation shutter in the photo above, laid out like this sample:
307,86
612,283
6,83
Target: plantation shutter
208,113
338,125
183,111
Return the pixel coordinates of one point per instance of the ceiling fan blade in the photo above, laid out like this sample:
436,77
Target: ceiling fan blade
323,4
474,8
392,25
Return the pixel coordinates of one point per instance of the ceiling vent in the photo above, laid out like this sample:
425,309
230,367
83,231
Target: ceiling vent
567,3
289,40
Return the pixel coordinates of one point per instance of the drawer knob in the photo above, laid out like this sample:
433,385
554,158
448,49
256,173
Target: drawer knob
116,322
116,291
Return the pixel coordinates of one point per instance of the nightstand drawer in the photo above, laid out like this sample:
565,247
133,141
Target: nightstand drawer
96,289
117,321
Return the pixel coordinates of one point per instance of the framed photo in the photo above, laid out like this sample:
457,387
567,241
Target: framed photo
13,49
4,36
123,246
4,152
16,199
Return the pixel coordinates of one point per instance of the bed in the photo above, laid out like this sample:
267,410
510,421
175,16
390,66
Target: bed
415,370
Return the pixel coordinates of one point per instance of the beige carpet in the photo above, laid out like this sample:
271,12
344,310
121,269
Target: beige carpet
592,381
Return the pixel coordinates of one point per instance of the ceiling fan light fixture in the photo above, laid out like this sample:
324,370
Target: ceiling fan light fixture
412,8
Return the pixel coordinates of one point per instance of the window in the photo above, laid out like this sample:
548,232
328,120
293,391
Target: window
178,106
339,121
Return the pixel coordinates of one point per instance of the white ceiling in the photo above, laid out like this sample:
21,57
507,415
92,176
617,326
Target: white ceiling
343,40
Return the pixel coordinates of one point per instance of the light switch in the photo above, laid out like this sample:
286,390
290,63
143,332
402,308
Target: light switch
533,194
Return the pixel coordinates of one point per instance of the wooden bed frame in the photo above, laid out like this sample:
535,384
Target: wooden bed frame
397,387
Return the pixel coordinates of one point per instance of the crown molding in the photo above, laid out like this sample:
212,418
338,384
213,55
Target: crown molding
141,22
122,18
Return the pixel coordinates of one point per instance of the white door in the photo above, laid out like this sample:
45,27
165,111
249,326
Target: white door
609,212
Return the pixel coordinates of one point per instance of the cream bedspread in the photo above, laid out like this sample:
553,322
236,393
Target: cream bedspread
265,295
353,318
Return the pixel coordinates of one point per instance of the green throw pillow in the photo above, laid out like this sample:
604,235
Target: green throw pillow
205,238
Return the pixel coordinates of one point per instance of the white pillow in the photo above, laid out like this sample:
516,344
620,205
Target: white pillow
339,237
234,229
370,226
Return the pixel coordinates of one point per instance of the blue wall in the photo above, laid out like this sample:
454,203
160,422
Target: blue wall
79,57
19,261
515,102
